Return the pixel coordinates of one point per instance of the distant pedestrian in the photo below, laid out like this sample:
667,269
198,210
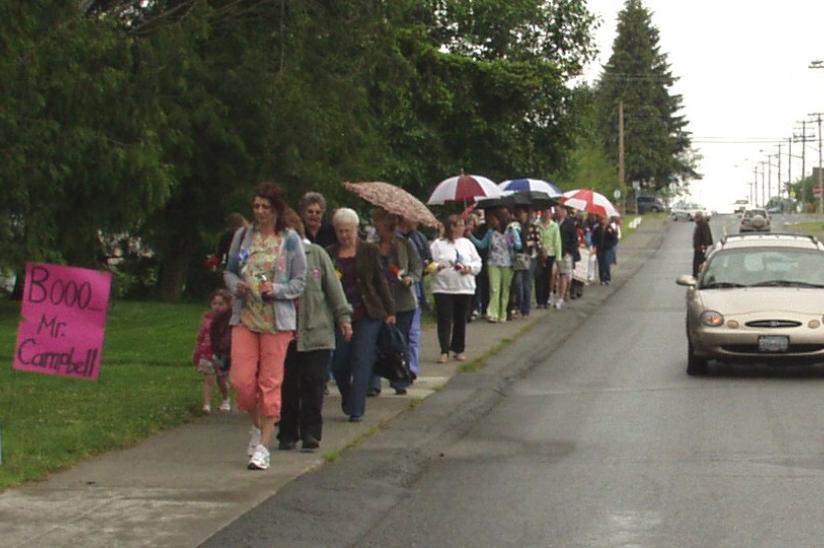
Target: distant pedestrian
701,242
211,356
604,239
266,273
453,285
322,312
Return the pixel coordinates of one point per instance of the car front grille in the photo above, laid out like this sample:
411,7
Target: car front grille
773,324
753,348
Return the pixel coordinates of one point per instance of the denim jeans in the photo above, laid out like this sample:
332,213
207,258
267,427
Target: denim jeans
415,342
605,265
522,286
353,363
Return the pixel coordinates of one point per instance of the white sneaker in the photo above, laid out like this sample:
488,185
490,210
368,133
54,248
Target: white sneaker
559,304
206,408
254,440
260,459
226,406
552,299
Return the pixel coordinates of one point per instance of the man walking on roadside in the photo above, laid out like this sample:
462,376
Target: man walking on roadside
701,241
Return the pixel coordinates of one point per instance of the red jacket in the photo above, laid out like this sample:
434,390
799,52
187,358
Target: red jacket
203,345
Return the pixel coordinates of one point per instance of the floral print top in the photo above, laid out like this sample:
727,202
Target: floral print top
258,315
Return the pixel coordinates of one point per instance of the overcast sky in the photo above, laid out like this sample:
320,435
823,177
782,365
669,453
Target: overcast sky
745,81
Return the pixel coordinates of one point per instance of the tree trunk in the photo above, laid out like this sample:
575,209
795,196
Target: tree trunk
173,275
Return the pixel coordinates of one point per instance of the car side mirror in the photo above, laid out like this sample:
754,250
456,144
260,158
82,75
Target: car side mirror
686,279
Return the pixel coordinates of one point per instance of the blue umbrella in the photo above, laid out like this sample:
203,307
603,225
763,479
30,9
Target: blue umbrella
531,185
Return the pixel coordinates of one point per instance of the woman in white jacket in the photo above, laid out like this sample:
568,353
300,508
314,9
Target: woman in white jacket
453,285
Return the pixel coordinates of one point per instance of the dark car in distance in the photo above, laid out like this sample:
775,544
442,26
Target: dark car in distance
650,204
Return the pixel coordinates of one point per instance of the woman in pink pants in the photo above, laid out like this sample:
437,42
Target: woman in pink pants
266,272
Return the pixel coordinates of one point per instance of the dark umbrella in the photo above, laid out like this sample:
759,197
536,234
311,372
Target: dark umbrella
531,199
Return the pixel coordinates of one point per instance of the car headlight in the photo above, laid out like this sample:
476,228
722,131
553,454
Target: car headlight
711,318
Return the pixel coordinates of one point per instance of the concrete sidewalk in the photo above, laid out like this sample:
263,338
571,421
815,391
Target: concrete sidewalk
180,487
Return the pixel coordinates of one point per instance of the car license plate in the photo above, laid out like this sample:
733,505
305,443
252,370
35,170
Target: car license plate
773,343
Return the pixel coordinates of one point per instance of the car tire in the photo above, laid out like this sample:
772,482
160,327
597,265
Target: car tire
696,365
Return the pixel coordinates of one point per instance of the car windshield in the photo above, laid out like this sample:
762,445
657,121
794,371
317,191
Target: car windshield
764,267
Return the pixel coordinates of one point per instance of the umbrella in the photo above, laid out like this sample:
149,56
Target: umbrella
395,200
589,201
463,188
530,199
527,185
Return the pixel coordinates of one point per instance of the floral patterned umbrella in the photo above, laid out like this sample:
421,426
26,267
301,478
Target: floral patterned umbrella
395,200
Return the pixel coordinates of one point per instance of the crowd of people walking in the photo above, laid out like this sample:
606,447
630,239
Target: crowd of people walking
306,300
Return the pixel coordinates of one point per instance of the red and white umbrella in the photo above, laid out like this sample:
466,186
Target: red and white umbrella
589,201
463,188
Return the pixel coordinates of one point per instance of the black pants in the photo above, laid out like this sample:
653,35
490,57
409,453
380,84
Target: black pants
698,257
304,375
543,276
451,310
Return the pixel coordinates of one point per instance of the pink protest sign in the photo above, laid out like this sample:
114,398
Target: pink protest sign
63,320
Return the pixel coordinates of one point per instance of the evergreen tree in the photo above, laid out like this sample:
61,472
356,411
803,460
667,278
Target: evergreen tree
656,142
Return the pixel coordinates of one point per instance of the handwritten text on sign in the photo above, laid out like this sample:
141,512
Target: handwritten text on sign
63,320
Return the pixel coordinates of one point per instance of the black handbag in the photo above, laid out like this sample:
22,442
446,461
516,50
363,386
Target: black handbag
392,363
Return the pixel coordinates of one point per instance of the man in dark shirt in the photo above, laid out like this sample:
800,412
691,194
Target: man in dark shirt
604,238
701,241
569,251
311,208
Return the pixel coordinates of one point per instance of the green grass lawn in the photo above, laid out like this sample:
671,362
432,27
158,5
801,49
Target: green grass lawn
146,384
815,228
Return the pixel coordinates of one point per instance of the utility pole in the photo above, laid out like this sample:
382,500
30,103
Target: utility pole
778,180
763,183
789,166
769,180
803,139
820,176
754,185
621,174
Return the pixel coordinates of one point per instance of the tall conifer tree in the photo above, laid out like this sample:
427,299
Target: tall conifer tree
656,142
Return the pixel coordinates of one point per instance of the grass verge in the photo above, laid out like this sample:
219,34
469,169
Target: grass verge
815,228
146,384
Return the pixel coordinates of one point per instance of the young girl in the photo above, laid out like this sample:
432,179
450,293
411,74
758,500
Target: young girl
211,355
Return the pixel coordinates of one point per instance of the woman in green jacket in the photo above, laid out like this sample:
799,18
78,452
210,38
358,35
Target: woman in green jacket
403,269
321,309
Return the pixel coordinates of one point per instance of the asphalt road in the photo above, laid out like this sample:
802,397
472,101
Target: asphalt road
604,441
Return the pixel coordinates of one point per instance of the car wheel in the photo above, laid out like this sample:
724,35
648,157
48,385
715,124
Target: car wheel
654,209
696,365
